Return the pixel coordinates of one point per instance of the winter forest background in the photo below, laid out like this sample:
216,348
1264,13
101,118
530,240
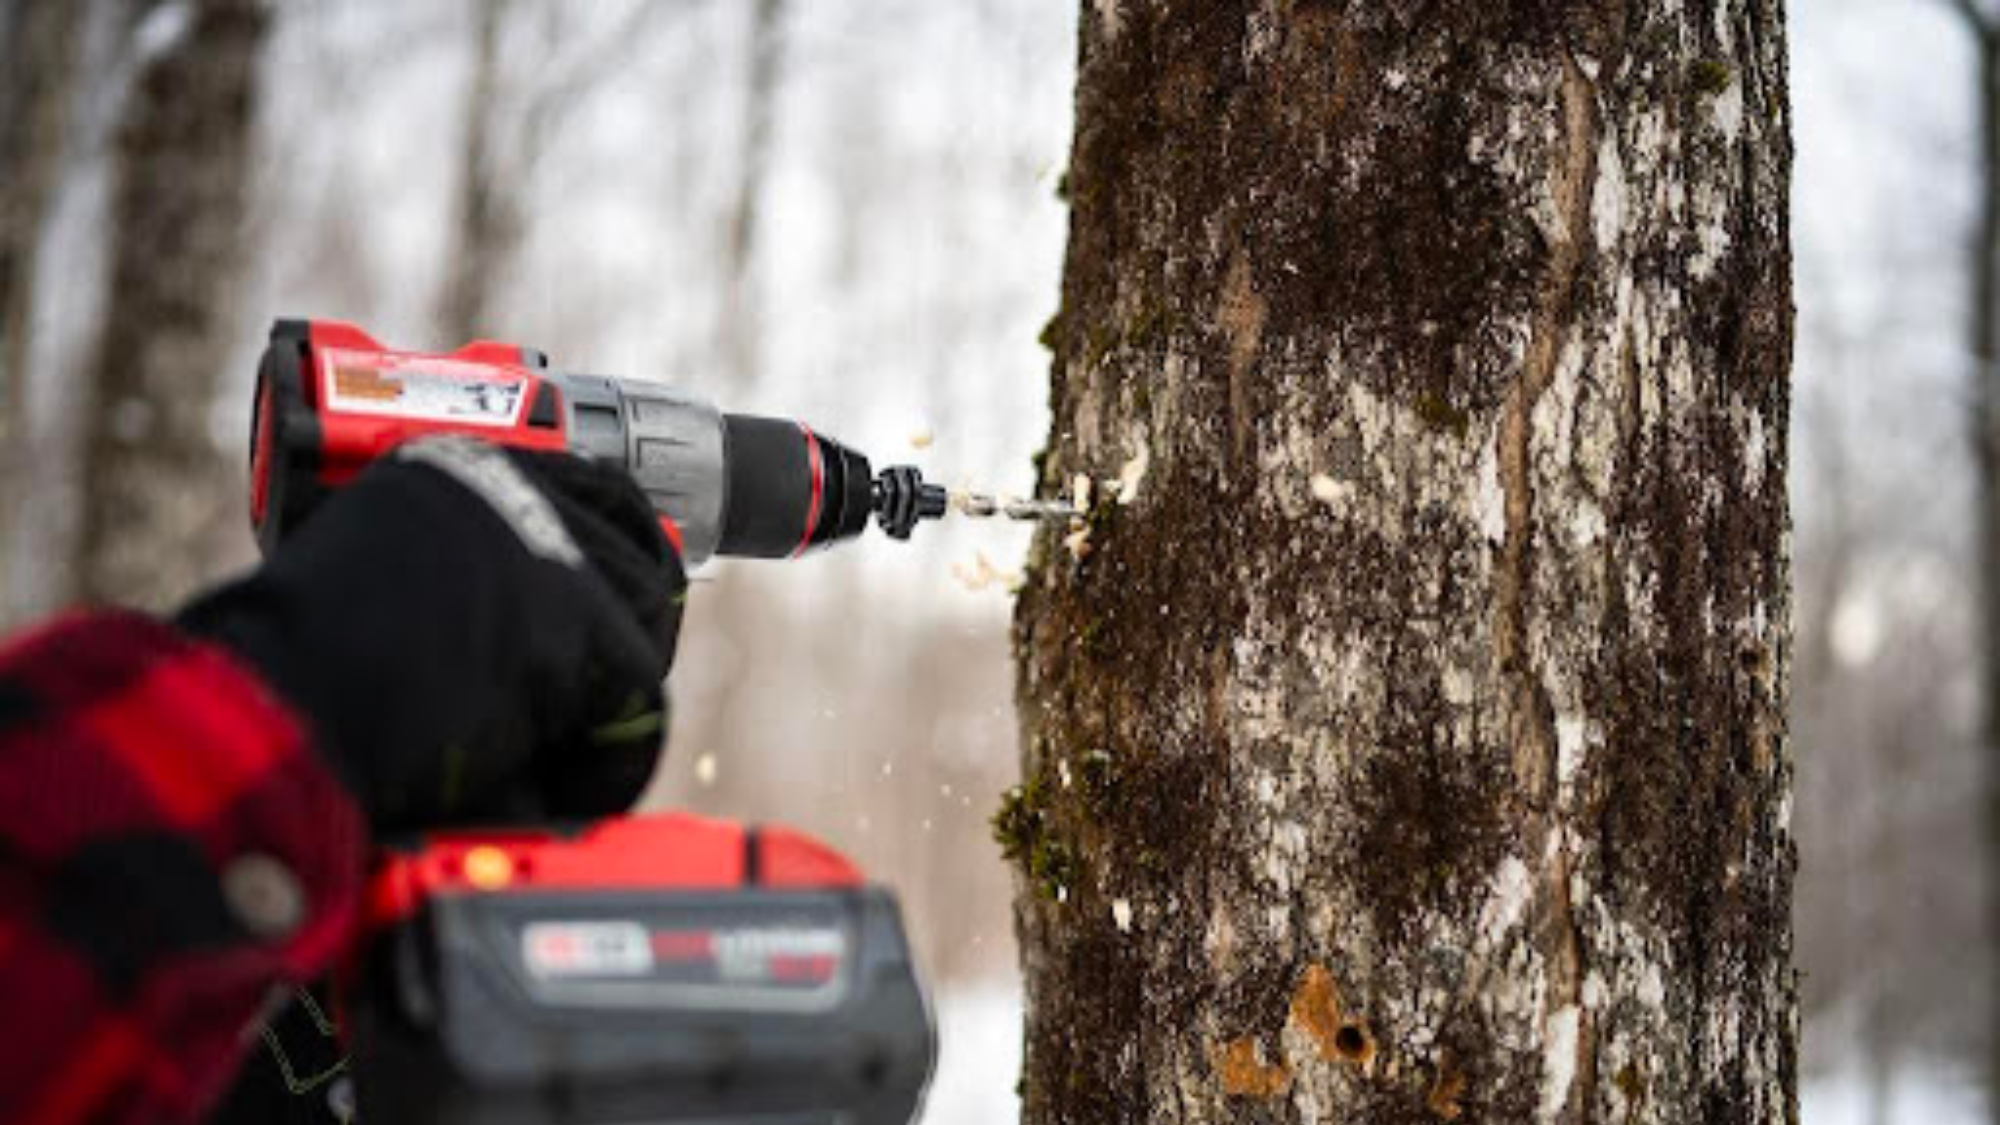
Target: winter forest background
851,213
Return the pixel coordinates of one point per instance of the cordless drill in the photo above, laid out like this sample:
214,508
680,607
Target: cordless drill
663,967
330,400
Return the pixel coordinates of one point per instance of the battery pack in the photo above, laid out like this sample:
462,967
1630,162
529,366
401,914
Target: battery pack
662,968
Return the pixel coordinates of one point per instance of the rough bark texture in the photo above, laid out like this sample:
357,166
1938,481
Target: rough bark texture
40,55
153,493
1411,746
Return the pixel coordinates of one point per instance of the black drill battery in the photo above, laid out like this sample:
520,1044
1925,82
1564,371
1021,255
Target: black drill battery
717,975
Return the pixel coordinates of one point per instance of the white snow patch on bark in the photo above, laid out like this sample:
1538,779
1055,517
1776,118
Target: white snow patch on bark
1607,196
1593,990
1587,525
1652,992
1512,887
1489,500
1729,111
1558,1060
1754,454
1570,746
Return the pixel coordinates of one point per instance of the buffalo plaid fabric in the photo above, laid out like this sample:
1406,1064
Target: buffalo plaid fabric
172,857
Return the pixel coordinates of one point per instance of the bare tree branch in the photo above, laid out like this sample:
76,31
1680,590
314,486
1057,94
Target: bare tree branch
1977,19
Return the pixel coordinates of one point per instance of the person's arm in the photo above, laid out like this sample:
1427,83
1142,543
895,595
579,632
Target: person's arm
172,851
460,634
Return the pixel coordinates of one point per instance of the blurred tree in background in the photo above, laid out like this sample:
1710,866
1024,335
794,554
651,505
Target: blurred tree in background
154,484
38,49
1982,23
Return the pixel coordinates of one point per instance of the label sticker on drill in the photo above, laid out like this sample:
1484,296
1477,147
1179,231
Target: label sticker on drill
586,949
423,387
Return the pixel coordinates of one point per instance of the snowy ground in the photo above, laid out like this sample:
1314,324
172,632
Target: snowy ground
979,1056
979,1059
1920,1096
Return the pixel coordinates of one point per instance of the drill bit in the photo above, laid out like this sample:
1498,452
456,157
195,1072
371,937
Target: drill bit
979,505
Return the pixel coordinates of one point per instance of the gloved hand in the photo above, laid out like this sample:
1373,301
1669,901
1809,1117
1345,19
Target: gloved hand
475,633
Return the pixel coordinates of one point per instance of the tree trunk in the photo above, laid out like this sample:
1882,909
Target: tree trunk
1985,333
1411,746
738,330
490,224
35,92
153,498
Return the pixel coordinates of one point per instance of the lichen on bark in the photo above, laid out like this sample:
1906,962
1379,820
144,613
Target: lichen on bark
1414,740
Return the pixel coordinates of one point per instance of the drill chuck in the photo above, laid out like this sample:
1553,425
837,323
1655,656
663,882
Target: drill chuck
902,499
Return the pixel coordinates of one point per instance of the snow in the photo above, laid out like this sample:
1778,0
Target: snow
1570,744
1559,1061
979,1056
1729,111
1607,196
1511,887
1918,1095
1489,502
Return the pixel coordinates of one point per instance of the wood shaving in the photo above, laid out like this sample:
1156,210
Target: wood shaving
981,574
1131,473
1078,542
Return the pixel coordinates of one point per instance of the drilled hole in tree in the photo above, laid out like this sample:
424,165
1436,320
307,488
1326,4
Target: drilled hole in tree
1351,1041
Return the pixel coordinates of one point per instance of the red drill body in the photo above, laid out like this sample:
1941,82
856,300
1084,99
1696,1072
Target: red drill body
331,399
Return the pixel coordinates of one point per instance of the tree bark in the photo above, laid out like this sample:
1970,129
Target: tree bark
1411,745
35,95
153,498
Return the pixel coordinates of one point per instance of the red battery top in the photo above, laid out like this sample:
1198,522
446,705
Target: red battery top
654,851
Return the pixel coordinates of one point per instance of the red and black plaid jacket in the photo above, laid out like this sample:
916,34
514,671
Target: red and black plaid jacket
172,855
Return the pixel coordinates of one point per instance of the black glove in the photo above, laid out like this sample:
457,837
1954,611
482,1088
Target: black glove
474,633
